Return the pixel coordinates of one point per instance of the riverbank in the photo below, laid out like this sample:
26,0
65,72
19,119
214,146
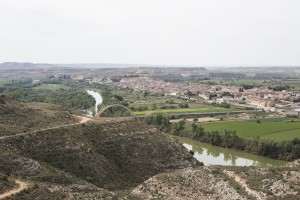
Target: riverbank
213,155
285,150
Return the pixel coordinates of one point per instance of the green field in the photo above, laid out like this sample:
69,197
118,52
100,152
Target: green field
3,80
293,83
274,129
188,110
51,87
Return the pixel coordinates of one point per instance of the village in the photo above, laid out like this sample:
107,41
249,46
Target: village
258,98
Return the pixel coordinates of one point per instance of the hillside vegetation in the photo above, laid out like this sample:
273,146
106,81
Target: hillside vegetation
5,183
18,118
100,156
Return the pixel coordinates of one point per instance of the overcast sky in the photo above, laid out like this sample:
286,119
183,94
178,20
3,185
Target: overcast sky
168,32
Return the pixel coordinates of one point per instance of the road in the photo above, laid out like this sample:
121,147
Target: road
21,186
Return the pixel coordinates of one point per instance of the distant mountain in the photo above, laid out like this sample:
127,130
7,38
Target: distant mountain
97,65
26,65
111,65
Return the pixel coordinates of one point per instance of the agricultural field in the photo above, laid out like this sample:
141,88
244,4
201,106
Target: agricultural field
283,135
51,87
277,129
293,83
188,110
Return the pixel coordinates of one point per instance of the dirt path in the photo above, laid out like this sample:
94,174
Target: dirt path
242,182
81,121
21,186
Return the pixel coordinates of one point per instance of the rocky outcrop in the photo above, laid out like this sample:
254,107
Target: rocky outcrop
200,183
221,182
15,165
295,163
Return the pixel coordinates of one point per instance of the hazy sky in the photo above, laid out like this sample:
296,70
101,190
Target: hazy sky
176,32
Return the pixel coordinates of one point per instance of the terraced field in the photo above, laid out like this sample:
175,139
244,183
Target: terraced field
274,129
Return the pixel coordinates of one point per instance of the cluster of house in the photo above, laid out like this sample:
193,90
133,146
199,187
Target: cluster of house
257,98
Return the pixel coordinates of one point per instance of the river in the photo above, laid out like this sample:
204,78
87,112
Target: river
213,155
98,98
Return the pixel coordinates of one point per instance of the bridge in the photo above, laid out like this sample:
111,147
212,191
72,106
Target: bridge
105,108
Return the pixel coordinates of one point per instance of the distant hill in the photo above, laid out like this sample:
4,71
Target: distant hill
26,65
134,66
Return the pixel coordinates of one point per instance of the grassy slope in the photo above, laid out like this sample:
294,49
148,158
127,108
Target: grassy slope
275,129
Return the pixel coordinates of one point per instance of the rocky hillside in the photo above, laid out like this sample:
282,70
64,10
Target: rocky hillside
5,183
222,183
113,156
18,118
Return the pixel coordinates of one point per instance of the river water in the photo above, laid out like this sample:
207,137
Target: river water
212,155
98,98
